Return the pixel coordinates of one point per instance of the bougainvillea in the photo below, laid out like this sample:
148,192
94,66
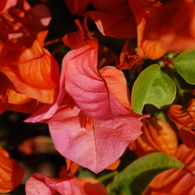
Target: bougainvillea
112,85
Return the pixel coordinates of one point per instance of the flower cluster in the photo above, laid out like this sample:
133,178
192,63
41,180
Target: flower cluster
122,57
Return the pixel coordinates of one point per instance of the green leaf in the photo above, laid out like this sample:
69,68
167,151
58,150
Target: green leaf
152,86
135,178
185,65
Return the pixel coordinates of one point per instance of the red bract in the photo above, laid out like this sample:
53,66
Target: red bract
173,25
112,18
101,94
176,181
6,4
77,6
24,22
94,144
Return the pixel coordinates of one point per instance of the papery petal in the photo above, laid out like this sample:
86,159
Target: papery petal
114,24
75,39
72,167
157,135
6,4
92,186
176,181
28,108
114,18
16,98
153,48
95,148
76,6
33,71
114,165
175,29
141,19
40,17
48,110
3,31
40,184
101,95
184,118
24,29
11,174
142,11
12,100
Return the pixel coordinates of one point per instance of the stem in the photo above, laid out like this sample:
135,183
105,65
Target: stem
52,41
58,49
108,176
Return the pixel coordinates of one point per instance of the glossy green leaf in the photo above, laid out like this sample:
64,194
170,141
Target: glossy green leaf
185,65
152,86
135,178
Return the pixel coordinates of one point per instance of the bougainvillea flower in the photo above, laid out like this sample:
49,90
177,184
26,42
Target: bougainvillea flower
184,119
76,39
173,25
158,136
101,94
3,31
6,4
11,174
176,181
113,18
80,78
94,144
92,186
33,70
128,58
40,184
143,11
77,6
46,111
23,22
10,99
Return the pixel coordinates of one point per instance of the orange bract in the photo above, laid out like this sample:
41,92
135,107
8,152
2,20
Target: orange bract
10,173
173,25
176,181
92,186
157,135
32,69
184,118
143,11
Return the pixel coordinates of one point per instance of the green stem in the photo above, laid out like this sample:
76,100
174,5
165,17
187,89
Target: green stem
107,176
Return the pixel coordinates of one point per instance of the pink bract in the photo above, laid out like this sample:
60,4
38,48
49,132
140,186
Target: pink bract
40,184
100,94
97,147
